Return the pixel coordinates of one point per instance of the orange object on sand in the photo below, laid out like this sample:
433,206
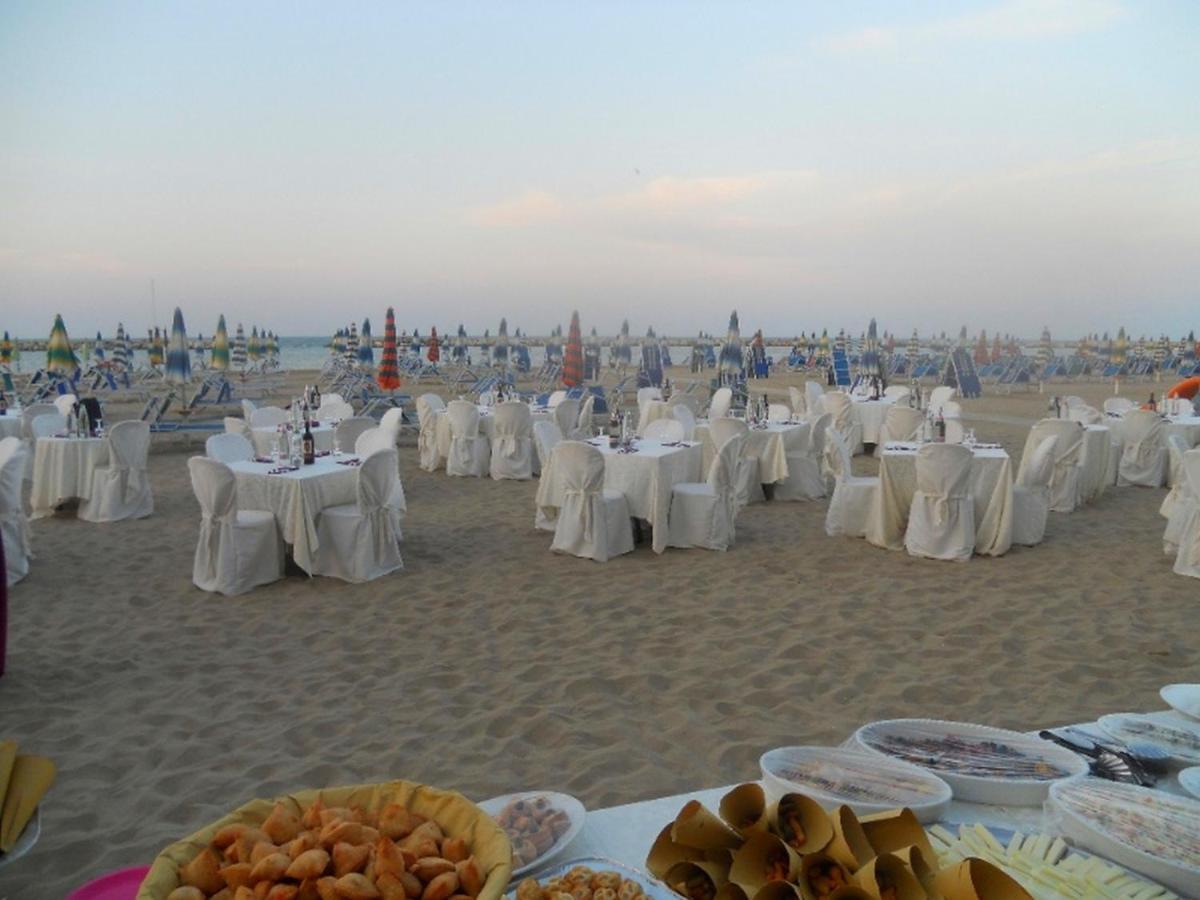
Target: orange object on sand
1186,389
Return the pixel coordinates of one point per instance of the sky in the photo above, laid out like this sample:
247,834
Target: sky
1002,164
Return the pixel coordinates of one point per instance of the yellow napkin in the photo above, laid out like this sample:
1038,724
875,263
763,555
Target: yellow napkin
8,755
31,778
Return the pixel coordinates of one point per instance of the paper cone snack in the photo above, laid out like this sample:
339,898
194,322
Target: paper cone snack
664,853
696,879
802,823
887,873
778,890
730,891
721,857
975,879
8,756
918,863
762,859
849,846
891,831
820,875
696,826
745,809
30,779
850,893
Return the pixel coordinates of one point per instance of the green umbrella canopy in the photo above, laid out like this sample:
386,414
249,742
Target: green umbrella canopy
220,346
59,355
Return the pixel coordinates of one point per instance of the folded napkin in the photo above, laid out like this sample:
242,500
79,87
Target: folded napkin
324,453
283,470
28,778
349,462
263,459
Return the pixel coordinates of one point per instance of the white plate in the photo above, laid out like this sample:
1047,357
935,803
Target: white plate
1184,698
651,886
1009,785
1181,742
573,808
1189,780
25,842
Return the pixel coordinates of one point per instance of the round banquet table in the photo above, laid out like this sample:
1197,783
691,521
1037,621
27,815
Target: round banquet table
267,438
62,470
870,415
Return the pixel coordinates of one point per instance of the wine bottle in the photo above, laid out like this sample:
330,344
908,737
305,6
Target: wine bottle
310,444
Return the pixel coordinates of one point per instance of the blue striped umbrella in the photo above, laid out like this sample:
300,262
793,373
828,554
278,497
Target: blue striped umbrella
179,360
98,349
121,349
366,353
731,350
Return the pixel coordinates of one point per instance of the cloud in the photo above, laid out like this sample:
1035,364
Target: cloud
1013,20
530,208
98,263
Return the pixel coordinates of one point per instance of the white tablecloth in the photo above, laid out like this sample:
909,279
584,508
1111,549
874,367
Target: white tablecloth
766,443
991,487
1187,427
645,478
487,426
10,424
267,439
870,415
62,470
297,498
652,411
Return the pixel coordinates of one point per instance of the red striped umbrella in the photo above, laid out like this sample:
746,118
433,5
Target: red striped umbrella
434,353
388,374
572,373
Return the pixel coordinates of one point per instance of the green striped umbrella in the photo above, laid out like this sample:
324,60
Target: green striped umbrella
59,355
179,359
253,346
220,346
273,345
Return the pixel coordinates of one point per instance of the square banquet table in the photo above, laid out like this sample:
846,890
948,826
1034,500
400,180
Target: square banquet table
645,477
870,415
764,441
1187,427
10,423
991,486
1094,451
487,426
62,470
266,439
297,498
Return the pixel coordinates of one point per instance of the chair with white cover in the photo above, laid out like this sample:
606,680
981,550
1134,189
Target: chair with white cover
898,391
666,431
555,398
48,425
722,399
1143,456
369,442
583,426
646,394
360,541
1118,406
248,408
798,401
469,454
1031,495
512,441
269,417
28,414
691,401
685,417
428,407
238,549
14,524
1085,415
813,392
121,489
334,412
804,480
234,425
841,407
228,448
941,522
1176,448
1187,558
546,436
853,495
900,423
566,416
952,416
392,421
65,403
346,432
703,513
1073,400
746,476
593,521
1064,483
779,412
940,395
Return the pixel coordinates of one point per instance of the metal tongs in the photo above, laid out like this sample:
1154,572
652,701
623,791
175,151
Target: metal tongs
1105,761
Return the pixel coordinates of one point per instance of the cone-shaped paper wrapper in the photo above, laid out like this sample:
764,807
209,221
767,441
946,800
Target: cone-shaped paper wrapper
888,870
763,858
30,779
721,857
798,811
817,868
696,826
693,879
850,893
849,846
891,831
730,891
918,863
745,809
777,890
664,853
975,879
8,756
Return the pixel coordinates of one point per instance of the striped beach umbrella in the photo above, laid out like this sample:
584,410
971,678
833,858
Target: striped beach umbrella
1161,350
6,350
730,361
572,370
337,346
351,354
460,344
623,347
154,350
179,360
1045,348
997,350
433,352
98,350
1121,347
59,355
914,347
388,374
220,346
120,354
981,349
254,345
870,365
239,348
366,353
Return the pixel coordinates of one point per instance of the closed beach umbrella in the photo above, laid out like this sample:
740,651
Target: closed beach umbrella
1121,347
996,349
98,349
338,345
623,345
981,349
154,347
730,363
870,365
572,370
351,354
59,355
652,360
120,358
914,347
6,349
434,351
239,348
254,348
179,360
388,375
460,343
1046,347
366,353
220,346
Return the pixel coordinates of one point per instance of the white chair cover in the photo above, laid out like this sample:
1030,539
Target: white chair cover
469,454
703,513
746,477
392,421
1143,456
1176,447
1118,406
332,397
234,425
900,423
269,417
237,549
941,522
853,495
347,431
48,425
939,395
555,398
646,394
583,427
952,416
813,392
361,541
592,522
546,437
1187,559
371,442
121,490
1031,495
1085,415
566,416
804,480
722,398
691,401
841,407
31,412
65,403
248,408
228,448
665,430
14,524
428,406
512,441
899,391
779,412
1072,401
1064,483
334,410
685,417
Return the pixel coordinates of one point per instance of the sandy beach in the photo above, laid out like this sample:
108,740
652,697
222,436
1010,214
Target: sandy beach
490,664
